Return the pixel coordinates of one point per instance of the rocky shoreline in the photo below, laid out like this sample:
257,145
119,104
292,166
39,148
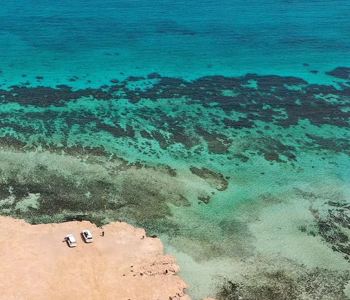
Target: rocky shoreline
122,264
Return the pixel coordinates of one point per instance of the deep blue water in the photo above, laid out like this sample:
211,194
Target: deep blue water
101,39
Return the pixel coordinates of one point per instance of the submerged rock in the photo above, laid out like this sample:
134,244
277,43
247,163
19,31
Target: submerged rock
215,180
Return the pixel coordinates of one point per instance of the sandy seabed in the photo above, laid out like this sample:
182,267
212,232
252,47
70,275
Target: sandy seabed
37,264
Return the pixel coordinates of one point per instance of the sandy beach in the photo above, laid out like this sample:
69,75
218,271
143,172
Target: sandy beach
37,264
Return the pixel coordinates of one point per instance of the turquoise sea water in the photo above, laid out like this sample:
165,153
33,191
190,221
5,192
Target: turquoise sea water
220,126
183,38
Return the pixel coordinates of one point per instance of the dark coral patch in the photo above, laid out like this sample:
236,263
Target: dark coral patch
116,130
300,284
241,157
276,100
204,198
40,96
217,143
272,156
337,145
340,72
153,76
333,229
272,101
216,180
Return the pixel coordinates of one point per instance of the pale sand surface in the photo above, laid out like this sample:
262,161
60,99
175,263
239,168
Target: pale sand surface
36,263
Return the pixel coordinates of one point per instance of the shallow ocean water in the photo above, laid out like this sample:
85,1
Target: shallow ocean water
222,127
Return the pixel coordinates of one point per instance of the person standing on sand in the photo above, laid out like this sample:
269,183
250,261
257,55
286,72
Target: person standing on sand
103,234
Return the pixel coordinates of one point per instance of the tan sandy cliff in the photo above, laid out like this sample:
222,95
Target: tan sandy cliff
37,264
